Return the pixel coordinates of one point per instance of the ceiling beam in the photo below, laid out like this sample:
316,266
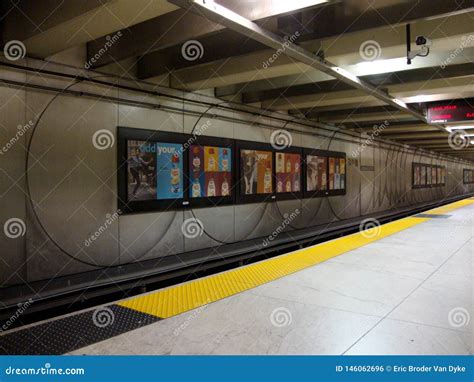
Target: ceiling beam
463,86
248,28
172,30
342,50
314,23
49,27
415,136
400,128
382,79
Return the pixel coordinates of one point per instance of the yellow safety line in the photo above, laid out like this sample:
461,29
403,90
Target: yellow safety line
187,296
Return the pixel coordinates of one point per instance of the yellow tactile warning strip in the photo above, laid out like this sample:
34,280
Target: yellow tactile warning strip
187,296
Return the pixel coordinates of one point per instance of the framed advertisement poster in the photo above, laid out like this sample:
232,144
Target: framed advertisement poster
325,173
211,169
316,174
337,174
256,180
289,174
151,170
468,176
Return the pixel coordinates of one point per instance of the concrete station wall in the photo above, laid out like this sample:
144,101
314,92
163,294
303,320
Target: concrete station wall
74,185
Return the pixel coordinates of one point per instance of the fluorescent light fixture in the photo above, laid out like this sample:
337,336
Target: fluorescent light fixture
365,68
467,127
418,98
284,6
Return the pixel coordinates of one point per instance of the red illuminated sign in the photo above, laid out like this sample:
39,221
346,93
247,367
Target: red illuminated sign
457,111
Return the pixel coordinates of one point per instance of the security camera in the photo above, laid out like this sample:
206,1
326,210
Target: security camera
423,41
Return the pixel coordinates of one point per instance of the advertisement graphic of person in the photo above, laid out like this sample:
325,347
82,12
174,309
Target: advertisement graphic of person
312,173
135,164
175,174
249,171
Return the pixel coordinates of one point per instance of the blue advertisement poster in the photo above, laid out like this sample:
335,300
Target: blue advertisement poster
169,168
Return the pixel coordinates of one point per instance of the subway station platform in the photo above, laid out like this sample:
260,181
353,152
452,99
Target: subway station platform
404,287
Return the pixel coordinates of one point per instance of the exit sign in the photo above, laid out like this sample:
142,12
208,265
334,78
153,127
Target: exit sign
454,111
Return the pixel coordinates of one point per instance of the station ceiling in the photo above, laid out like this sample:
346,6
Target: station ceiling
365,38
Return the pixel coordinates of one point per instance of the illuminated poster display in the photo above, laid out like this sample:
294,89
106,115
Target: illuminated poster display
468,176
316,173
210,172
288,172
141,174
155,170
256,169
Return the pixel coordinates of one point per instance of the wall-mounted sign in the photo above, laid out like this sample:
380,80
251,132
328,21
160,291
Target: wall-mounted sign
454,111
288,172
428,175
210,172
468,176
316,173
256,168
155,170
